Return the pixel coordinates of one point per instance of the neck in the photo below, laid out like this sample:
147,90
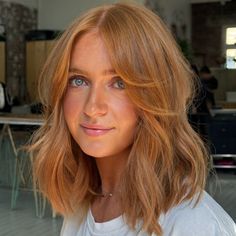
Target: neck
110,170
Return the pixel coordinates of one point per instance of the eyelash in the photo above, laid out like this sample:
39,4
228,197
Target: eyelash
115,80
72,80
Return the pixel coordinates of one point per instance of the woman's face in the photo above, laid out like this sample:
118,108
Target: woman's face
97,110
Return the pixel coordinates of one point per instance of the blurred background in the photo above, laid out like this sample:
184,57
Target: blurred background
206,33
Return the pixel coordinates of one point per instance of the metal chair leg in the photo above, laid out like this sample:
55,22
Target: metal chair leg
40,200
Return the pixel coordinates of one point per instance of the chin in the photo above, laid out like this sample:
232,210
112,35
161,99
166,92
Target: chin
93,152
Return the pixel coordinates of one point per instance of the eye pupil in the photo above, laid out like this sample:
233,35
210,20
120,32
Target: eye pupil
78,82
121,84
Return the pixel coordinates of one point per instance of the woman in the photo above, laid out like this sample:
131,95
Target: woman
117,155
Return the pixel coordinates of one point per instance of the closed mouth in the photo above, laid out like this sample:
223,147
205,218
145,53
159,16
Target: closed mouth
95,130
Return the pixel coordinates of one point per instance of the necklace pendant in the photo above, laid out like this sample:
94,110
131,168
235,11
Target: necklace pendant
107,195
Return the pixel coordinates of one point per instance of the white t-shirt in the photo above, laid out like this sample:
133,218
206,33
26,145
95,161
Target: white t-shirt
206,219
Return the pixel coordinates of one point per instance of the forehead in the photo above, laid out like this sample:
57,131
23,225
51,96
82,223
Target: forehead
88,39
89,43
89,52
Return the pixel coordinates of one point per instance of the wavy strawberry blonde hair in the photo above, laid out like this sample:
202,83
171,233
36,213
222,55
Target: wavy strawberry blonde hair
167,163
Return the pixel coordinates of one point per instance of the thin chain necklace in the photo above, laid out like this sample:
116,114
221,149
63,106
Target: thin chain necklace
106,194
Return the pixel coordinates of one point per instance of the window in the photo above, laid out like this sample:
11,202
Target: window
230,47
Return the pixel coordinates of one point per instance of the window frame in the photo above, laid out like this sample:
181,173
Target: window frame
226,46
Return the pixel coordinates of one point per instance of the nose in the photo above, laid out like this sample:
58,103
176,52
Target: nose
96,102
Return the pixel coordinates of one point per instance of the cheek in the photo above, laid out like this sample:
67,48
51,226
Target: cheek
70,107
127,115
67,108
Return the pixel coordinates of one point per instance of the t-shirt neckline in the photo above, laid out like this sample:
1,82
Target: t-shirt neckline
105,227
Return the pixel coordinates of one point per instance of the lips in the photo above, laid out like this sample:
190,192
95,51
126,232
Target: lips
95,130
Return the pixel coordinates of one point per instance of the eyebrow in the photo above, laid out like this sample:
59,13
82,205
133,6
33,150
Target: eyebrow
80,71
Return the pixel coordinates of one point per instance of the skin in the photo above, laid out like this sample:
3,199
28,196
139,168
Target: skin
96,97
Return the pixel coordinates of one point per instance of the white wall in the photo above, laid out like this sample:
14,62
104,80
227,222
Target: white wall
58,14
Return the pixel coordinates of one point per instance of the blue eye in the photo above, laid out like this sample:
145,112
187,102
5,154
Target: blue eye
119,84
77,81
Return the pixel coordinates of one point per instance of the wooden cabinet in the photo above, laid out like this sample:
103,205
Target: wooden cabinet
36,54
2,62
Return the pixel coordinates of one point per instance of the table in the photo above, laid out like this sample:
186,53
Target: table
8,119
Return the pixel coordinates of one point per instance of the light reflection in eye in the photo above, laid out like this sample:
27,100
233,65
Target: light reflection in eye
77,81
119,83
